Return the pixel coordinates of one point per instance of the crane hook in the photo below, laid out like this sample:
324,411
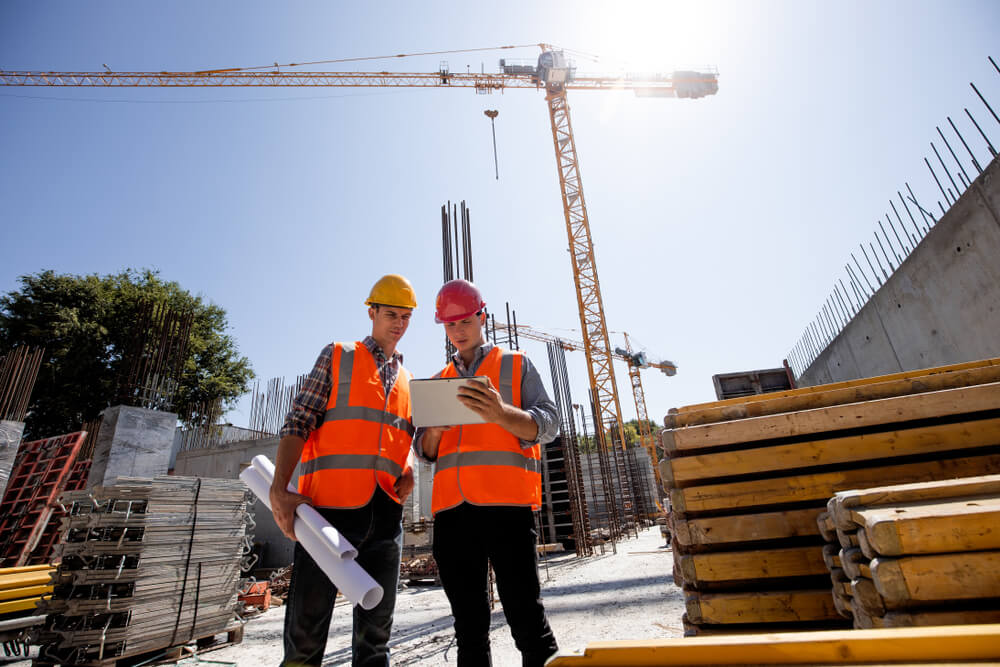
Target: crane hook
492,114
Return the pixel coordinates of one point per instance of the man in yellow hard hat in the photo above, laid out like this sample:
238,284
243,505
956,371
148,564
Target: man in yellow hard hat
350,427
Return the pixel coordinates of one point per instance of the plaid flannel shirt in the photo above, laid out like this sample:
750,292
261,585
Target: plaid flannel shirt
309,407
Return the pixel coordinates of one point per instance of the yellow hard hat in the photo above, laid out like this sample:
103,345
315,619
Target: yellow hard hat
392,290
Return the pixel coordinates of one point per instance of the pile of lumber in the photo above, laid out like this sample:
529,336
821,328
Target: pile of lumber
916,554
146,564
748,478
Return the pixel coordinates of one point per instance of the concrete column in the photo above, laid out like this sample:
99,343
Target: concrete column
132,442
10,438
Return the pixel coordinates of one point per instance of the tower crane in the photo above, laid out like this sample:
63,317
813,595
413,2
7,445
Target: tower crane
553,73
635,361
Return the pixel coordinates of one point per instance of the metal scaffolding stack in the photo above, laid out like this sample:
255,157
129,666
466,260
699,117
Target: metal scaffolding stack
146,565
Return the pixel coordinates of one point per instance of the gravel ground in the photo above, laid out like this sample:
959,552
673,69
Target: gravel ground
625,595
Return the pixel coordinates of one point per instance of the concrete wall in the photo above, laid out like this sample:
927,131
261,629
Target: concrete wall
941,306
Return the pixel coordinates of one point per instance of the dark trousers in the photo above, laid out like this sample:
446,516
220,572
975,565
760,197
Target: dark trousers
466,539
376,531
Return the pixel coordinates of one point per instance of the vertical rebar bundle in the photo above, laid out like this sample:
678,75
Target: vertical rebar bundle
457,256
18,372
571,451
152,365
842,305
269,407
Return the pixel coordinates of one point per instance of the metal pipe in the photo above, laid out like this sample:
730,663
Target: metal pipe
853,310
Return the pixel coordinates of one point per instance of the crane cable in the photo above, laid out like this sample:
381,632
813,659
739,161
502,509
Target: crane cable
352,60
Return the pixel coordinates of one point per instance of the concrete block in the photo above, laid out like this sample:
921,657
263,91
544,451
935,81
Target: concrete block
10,438
132,442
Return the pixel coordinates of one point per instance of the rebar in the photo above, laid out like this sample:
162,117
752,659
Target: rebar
154,361
18,372
579,515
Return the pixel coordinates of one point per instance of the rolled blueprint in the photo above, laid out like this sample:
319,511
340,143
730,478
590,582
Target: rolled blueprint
307,513
349,577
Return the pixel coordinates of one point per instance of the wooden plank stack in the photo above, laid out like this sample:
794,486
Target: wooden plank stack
749,477
146,564
917,554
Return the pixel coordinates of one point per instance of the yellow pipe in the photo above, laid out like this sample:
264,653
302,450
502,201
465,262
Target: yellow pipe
835,647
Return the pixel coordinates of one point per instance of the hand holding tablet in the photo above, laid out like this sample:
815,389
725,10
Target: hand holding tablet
435,402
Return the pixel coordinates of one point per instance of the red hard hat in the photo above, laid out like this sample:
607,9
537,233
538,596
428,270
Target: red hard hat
456,300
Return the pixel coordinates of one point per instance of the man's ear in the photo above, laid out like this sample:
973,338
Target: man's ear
371,313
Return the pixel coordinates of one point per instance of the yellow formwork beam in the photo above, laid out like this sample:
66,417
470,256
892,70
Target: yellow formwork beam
23,579
950,644
20,605
26,592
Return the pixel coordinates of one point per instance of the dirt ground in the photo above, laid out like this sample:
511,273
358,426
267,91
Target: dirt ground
625,595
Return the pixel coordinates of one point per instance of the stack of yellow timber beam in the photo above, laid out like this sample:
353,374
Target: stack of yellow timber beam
917,554
749,477
949,645
21,588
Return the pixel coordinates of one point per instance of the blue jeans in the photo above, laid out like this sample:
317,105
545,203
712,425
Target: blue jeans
376,531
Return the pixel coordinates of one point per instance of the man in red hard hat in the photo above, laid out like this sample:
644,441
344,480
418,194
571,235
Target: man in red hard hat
487,482
350,427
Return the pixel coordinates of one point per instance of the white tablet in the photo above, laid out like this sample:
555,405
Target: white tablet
435,402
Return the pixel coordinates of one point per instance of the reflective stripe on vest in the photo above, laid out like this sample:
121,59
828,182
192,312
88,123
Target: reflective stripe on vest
512,459
351,462
370,415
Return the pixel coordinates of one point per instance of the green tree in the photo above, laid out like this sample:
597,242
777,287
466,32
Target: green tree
84,324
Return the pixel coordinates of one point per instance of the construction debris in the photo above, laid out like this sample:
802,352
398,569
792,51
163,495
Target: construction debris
146,565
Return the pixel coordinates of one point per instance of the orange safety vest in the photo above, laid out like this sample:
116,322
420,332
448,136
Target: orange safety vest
484,464
365,435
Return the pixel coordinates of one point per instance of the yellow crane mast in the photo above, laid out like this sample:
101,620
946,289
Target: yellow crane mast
553,73
633,360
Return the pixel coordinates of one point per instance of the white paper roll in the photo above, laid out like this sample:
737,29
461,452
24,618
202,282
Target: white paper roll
349,577
312,519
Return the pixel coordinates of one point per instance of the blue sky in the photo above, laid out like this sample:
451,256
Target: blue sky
719,225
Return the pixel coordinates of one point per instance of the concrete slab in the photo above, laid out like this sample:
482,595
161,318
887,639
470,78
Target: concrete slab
10,438
132,442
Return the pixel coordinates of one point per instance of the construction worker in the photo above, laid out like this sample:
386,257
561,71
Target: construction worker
487,483
350,428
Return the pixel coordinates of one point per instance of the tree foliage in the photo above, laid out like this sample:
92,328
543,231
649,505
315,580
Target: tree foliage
84,324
